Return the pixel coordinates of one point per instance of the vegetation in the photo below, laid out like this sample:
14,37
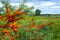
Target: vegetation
20,24
37,12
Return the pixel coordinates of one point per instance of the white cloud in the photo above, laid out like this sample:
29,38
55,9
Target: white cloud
55,7
17,4
46,7
0,4
14,4
16,1
46,4
42,5
29,4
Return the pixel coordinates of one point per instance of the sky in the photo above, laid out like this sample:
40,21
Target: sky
46,6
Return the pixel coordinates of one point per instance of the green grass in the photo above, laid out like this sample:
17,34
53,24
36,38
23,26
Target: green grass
47,33
51,32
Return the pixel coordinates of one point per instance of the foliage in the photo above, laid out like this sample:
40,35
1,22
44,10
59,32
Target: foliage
37,12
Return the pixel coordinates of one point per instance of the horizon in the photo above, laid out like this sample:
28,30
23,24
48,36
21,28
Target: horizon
46,6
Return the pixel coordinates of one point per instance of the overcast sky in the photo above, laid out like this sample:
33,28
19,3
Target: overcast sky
46,6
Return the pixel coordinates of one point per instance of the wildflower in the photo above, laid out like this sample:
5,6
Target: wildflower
6,32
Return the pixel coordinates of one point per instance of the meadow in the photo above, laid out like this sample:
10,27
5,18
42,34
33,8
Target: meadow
34,28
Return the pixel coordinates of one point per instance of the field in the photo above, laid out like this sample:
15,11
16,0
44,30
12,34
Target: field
21,22
34,28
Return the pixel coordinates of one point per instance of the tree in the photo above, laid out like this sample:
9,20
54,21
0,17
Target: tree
37,12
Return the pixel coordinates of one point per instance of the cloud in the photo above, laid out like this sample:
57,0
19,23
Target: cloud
15,1
15,4
55,7
40,5
29,4
45,7
45,4
0,4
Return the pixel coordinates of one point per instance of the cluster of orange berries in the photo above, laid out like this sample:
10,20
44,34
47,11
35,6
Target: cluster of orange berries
11,19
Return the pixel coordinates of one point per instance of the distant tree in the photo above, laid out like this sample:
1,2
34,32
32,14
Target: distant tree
37,12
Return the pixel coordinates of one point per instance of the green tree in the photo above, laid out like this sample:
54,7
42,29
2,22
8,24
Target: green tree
37,12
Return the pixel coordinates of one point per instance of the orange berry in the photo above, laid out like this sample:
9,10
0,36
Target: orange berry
1,17
12,38
6,32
